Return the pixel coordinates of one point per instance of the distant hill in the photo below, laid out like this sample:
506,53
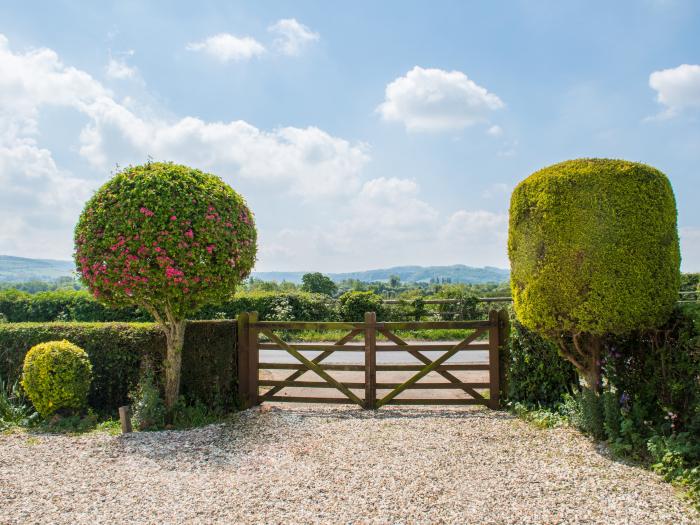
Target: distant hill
15,269
457,273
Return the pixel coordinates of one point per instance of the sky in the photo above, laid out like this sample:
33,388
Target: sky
362,134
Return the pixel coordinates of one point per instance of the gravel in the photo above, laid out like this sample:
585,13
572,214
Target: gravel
332,465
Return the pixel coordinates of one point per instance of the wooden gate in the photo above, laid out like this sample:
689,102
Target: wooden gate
255,336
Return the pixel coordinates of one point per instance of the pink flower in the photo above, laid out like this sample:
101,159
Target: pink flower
173,218
146,211
173,273
210,248
158,249
189,233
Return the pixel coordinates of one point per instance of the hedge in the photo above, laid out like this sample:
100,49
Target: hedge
69,305
118,351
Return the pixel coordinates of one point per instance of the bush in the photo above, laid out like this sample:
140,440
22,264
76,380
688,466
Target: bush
537,374
56,376
594,251
117,352
353,305
147,403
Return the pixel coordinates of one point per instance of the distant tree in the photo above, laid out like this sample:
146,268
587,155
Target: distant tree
394,281
168,239
318,283
593,248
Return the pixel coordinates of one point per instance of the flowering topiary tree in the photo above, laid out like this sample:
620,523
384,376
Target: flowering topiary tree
169,239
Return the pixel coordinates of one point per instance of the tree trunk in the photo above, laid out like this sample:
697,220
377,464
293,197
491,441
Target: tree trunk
175,337
592,372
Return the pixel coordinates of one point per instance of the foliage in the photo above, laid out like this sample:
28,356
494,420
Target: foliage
164,233
537,374
117,352
594,250
56,376
147,403
649,409
318,283
14,408
354,305
169,239
677,459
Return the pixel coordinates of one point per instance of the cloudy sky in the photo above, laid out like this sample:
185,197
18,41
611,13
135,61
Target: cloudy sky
362,134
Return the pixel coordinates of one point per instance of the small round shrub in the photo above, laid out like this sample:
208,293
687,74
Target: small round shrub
57,376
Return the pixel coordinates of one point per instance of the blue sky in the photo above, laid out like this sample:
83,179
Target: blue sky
363,134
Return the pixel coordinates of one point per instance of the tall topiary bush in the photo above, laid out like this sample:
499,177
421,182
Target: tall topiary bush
593,247
168,239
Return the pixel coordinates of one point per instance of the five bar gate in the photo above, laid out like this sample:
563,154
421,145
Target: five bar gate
487,335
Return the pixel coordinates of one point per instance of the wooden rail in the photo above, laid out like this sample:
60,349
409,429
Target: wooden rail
485,336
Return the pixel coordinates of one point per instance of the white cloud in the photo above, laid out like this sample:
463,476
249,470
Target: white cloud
40,200
226,47
118,68
678,88
495,131
690,248
437,100
292,36
389,223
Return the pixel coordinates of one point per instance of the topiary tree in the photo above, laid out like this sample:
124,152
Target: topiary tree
169,239
593,248
56,376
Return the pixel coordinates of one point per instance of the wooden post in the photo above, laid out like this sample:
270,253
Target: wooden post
243,362
125,419
504,350
494,368
253,359
370,360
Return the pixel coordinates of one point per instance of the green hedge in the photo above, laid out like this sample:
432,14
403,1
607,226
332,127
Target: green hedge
119,350
70,305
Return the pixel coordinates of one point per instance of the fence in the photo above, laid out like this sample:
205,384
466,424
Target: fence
485,336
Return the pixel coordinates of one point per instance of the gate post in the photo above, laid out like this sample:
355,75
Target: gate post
370,360
253,358
494,368
243,361
504,350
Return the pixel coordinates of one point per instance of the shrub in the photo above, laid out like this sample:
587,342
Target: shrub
56,376
169,239
537,374
353,305
149,410
593,247
14,408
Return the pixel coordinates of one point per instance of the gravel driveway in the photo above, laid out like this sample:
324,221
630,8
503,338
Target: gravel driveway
331,465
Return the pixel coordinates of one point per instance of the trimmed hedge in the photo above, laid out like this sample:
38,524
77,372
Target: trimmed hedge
118,351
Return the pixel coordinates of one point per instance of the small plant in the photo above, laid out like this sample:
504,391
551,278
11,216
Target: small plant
149,408
188,415
56,376
15,410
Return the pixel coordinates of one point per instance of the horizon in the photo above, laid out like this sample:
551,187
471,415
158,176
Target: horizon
381,159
